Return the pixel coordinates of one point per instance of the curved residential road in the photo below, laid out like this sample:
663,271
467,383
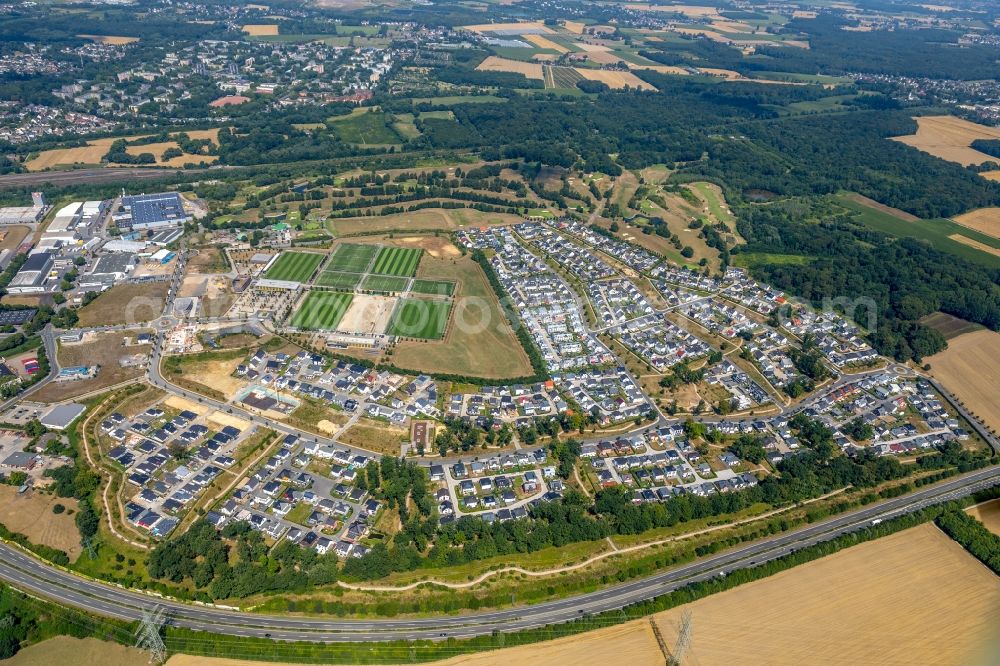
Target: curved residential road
31,575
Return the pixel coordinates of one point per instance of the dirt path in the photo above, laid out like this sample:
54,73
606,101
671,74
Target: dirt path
573,567
107,486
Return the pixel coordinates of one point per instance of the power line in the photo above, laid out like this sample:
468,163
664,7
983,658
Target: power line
148,635
683,639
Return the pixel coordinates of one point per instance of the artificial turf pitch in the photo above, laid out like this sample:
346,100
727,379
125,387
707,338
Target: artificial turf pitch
321,310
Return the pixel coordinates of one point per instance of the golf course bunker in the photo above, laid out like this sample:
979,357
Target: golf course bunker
367,314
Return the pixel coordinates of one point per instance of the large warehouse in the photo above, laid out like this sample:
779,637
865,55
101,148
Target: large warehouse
31,278
142,212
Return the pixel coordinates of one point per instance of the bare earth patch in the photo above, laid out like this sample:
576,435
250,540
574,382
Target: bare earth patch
969,368
221,419
13,236
871,203
213,373
435,246
31,515
367,314
375,436
125,304
103,349
181,404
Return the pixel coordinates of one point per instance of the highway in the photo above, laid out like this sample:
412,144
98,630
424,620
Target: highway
31,575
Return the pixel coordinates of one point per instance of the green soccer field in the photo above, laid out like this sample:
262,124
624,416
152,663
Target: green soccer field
321,310
351,258
335,280
294,266
401,261
419,318
433,287
388,284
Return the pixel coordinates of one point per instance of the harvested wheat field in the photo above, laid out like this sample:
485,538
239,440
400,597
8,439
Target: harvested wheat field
111,40
545,43
988,513
574,26
983,220
982,247
603,57
710,34
614,79
950,138
88,154
897,600
261,30
31,515
991,175
494,64
662,69
686,10
79,652
527,26
96,149
728,74
731,26
969,368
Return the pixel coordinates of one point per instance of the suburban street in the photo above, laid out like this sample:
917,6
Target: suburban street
31,575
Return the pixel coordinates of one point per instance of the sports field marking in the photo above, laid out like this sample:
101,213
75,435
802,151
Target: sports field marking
401,261
420,318
294,266
433,287
338,280
321,310
351,258
384,283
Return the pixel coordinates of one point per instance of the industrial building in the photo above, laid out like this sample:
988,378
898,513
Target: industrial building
61,416
25,214
144,212
73,223
31,278
115,266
